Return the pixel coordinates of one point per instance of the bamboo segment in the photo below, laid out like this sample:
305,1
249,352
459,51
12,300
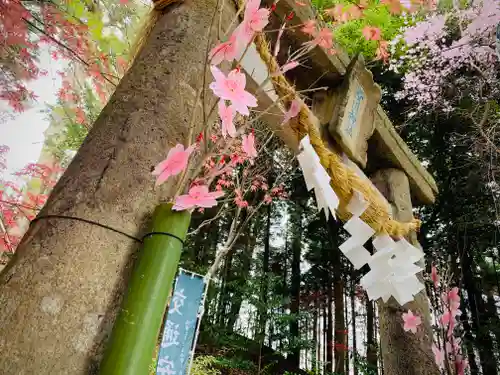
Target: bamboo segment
138,324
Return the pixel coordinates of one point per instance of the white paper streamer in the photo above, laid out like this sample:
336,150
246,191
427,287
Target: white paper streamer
392,270
360,232
317,178
392,267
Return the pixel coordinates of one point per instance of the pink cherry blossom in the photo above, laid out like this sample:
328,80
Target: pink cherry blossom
323,39
434,276
411,321
227,116
248,145
198,196
309,27
226,51
232,88
461,364
371,33
293,111
254,20
438,356
285,68
175,163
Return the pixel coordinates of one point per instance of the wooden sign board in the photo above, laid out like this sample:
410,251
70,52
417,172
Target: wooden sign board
348,111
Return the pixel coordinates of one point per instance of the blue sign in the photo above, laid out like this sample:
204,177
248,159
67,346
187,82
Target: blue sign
353,113
180,325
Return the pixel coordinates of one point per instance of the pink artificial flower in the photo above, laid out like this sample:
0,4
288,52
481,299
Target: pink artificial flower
461,364
240,202
227,116
336,12
277,45
452,299
174,164
293,111
198,196
226,51
323,39
248,145
254,20
232,88
454,346
434,276
371,33
411,321
285,68
438,355
309,27
267,199
446,318
382,52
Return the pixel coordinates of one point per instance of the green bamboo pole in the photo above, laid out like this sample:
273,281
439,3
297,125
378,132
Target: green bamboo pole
135,333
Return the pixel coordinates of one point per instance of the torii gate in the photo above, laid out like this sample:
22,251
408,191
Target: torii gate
352,123
72,274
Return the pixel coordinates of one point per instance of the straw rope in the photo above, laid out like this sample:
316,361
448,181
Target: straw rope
344,180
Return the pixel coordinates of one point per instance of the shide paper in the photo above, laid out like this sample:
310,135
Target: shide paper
360,232
392,268
317,178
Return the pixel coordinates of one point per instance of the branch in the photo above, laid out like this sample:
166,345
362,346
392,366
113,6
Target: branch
62,45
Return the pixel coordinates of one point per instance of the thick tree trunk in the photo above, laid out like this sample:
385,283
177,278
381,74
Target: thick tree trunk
403,352
60,294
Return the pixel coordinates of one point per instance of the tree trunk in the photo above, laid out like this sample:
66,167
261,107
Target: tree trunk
371,346
240,282
346,338
494,321
315,336
261,328
329,328
403,352
340,336
60,293
294,356
353,317
478,313
469,341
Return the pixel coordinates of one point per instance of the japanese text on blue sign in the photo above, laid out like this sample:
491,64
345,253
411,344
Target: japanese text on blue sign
180,326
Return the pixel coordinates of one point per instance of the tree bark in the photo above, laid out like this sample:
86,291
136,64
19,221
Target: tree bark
469,341
403,352
353,325
483,341
261,328
60,293
340,337
294,356
371,346
329,328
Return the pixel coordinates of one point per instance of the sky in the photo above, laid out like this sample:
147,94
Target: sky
24,132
